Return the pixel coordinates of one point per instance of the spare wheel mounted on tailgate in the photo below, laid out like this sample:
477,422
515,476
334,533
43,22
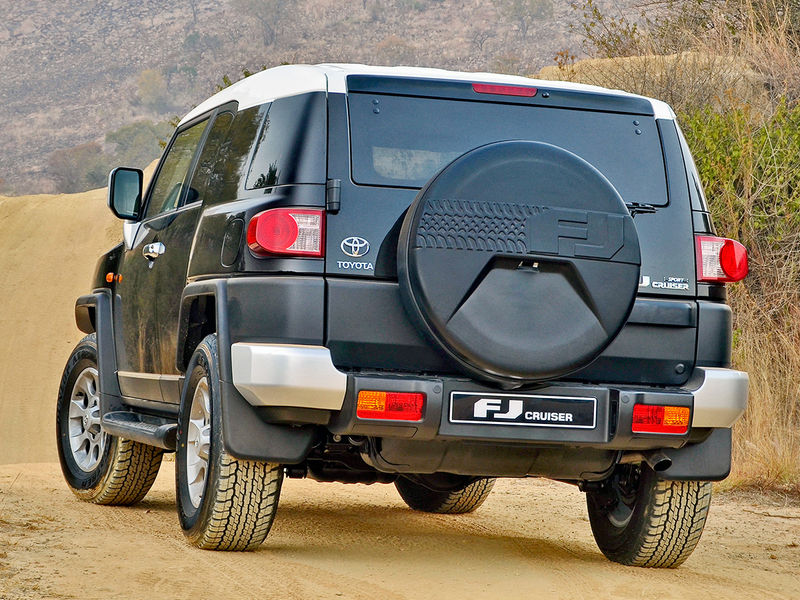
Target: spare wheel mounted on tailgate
520,261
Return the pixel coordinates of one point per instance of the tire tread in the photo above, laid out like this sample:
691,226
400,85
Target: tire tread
456,502
132,472
244,506
664,532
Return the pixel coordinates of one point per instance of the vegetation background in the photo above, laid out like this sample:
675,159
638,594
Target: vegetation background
731,71
729,68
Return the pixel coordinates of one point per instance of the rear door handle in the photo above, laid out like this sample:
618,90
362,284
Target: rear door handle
154,250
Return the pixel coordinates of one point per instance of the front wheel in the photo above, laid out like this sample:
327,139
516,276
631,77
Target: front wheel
223,503
640,520
98,467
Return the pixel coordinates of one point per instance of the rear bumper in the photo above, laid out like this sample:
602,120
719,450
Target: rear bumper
288,376
296,376
720,396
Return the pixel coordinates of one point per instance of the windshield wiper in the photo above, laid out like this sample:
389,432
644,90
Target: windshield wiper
638,208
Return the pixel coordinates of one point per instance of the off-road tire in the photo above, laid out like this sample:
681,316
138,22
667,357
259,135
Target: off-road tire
126,470
456,501
240,497
665,524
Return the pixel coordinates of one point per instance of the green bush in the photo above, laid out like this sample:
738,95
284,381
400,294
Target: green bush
750,166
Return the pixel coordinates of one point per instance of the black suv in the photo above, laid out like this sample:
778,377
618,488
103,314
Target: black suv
418,277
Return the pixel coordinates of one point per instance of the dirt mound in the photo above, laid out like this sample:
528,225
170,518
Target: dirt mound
49,246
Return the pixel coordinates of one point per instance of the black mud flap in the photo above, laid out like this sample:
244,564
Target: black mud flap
247,437
707,461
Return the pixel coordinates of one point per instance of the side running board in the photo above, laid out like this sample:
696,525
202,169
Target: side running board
154,431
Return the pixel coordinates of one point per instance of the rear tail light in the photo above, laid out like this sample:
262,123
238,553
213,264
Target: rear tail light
660,419
504,90
720,259
393,406
287,231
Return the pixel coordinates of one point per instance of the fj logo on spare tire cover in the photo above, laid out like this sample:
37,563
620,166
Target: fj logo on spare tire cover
575,233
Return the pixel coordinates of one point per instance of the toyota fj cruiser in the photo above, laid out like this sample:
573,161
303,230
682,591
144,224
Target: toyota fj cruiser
418,277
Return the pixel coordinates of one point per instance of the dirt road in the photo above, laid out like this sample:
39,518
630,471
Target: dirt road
531,539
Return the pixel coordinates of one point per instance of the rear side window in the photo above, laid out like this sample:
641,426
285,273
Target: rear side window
228,172
291,144
403,141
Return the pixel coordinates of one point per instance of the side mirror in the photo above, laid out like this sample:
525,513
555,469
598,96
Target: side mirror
125,192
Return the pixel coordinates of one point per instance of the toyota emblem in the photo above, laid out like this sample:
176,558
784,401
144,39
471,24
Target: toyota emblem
354,246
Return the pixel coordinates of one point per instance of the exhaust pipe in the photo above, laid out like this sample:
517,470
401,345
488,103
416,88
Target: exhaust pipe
657,460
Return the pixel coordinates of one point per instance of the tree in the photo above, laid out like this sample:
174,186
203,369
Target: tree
151,87
269,14
79,168
137,144
524,12
480,37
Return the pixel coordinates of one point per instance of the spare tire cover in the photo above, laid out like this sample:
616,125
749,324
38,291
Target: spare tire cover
520,261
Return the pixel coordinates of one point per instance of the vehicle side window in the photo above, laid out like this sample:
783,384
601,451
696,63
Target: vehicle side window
291,147
209,156
230,168
169,186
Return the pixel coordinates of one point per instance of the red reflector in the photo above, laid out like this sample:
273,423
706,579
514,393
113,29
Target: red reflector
660,419
287,231
504,90
395,406
720,259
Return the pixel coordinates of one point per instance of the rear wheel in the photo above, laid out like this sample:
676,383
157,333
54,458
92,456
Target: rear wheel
640,520
449,494
223,503
98,467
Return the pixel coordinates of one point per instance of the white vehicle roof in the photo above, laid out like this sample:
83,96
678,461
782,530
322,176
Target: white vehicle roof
292,80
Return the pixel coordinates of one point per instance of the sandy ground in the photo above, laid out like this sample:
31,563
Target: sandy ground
48,249
530,539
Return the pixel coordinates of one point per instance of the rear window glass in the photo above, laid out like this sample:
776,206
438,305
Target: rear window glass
403,141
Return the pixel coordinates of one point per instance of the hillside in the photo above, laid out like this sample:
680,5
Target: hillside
72,71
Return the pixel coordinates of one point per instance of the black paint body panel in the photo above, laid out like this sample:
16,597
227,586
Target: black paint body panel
358,313
378,334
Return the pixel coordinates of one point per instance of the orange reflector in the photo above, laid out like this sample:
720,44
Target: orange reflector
660,419
395,406
109,277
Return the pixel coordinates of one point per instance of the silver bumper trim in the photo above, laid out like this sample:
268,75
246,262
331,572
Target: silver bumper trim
720,398
287,375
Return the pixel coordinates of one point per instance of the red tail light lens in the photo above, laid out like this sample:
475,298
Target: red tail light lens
504,90
394,406
660,419
287,231
720,259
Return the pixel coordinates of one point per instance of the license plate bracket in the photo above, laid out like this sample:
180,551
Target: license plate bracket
526,410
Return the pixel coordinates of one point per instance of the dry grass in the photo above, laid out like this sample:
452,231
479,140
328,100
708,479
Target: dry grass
766,449
736,87
686,80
